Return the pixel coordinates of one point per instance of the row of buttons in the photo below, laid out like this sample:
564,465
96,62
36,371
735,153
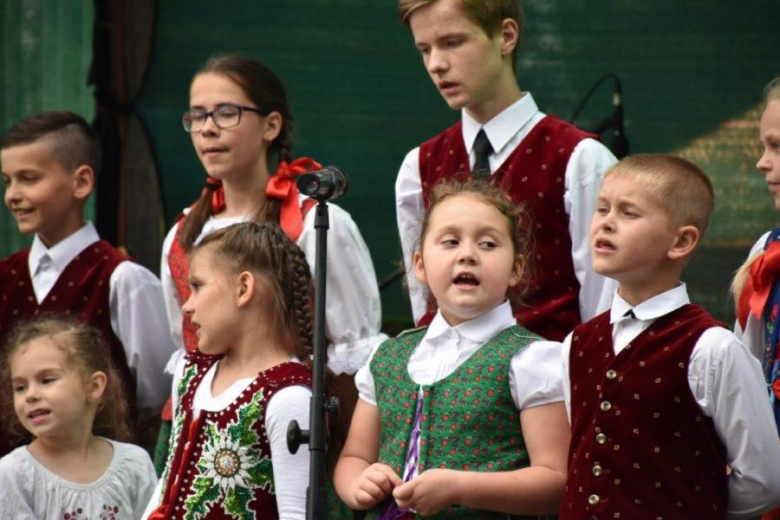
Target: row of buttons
601,438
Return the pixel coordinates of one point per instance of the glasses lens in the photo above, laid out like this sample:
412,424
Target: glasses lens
193,120
227,115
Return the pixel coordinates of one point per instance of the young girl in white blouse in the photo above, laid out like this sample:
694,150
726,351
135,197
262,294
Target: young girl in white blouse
250,376
66,395
240,124
464,418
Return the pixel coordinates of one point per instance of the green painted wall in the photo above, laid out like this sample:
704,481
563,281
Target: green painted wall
45,54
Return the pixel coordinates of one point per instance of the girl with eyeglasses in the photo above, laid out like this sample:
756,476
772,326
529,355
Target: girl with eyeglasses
240,124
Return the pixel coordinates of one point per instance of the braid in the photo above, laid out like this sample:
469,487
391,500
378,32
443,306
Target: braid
302,304
285,144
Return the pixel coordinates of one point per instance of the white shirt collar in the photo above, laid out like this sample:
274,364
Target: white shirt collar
657,306
64,251
478,330
504,126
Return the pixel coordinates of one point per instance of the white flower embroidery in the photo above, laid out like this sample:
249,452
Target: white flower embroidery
227,464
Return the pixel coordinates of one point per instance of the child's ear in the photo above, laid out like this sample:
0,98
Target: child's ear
273,125
510,36
517,271
419,267
684,243
83,182
96,385
246,287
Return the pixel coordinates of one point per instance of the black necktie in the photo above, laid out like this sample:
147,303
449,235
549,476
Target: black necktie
630,314
482,149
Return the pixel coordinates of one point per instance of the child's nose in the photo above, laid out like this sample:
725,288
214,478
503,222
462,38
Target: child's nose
764,164
467,253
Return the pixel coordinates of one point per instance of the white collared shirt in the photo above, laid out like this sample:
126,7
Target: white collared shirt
727,383
584,172
353,314
137,311
534,374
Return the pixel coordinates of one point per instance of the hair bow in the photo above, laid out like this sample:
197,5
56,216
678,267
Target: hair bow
759,284
282,186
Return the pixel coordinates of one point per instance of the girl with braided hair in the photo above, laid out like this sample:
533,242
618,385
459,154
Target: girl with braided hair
249,377
240,123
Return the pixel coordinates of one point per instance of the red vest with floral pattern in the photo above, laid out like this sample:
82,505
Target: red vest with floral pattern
534,175
641,446
82,291
219,465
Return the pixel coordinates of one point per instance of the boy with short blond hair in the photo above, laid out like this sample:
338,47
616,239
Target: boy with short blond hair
49,162
551,167
662,399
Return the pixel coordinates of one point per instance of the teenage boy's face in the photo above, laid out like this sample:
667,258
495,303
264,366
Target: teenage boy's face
630,234
769,163
39,191
465,64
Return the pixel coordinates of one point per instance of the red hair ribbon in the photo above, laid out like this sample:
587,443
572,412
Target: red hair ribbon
282,187
755,294
217,194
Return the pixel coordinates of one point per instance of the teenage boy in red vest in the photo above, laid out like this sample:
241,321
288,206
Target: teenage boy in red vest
49,162
469,49
668,409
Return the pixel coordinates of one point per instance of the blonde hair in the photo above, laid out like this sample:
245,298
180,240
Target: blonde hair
772,91
741,275
681,187
487,14
85,351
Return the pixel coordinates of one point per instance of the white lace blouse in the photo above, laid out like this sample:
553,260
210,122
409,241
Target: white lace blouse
32,492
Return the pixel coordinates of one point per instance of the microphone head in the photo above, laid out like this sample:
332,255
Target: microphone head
329,183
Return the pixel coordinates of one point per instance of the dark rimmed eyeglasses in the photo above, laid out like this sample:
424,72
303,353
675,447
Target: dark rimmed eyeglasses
224,116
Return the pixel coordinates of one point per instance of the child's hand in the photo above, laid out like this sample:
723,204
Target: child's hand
374,485
429,492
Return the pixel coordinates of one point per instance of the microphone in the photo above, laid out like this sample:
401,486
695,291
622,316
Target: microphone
329,183
619,139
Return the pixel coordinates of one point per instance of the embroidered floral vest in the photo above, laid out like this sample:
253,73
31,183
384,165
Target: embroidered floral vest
82,291
641,446
219,465
469,420
534,175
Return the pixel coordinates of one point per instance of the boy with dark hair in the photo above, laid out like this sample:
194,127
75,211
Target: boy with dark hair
468,48
49,162
668,409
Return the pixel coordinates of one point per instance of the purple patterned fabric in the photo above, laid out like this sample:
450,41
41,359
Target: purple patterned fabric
393,512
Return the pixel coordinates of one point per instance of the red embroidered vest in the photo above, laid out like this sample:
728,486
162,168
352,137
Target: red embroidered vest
82,291
641,446
533,175
219,465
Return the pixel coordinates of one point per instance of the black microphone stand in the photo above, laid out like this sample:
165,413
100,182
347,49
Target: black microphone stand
317,434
